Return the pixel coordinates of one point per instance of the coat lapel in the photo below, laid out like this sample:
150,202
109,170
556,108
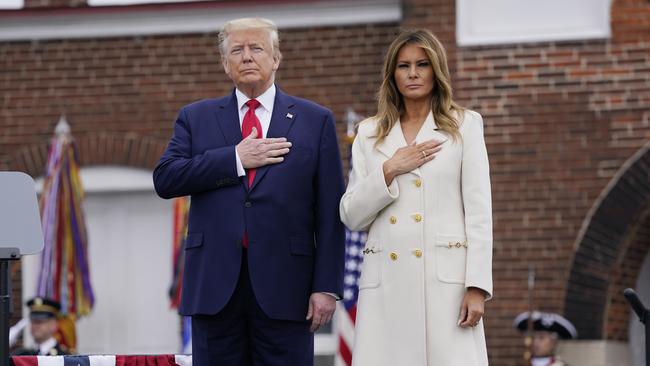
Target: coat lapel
281,121
395,138
429,131
393,141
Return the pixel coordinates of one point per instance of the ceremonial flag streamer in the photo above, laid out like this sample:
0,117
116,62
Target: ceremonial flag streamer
64,274
181,215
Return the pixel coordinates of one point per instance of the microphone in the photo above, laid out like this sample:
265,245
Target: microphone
637,305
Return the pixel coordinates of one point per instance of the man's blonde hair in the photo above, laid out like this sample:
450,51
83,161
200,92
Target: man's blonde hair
249,23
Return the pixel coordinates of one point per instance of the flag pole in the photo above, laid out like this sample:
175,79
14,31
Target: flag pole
528,341
5,297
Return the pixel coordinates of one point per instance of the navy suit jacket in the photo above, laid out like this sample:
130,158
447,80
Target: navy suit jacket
291,211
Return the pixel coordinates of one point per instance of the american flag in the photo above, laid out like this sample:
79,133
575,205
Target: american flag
98,360
347,312
354,243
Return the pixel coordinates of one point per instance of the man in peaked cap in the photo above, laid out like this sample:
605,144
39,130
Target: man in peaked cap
43,315
547,329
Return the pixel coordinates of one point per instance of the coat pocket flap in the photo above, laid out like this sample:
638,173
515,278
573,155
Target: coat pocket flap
302,246
193,240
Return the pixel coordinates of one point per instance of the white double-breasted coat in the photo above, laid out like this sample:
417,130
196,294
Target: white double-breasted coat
429,238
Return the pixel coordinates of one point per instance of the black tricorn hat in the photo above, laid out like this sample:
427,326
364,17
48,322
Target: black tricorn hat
41,308
549,322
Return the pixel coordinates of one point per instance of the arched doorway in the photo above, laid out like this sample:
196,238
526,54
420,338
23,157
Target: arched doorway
610,254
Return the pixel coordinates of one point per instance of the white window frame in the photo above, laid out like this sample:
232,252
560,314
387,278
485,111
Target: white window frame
490,22
11,4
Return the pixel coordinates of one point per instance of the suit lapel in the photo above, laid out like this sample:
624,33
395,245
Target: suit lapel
228,120
227,117
281,121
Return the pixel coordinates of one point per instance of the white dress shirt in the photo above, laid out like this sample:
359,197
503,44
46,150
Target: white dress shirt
263,113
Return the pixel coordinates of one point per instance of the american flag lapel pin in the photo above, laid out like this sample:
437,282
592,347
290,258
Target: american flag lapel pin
289,115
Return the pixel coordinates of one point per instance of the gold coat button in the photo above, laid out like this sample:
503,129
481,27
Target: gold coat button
417,217
393,256
418,253
393,220
418,183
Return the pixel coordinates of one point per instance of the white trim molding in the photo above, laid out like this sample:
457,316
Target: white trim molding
109,178
11,4
490,22
182,18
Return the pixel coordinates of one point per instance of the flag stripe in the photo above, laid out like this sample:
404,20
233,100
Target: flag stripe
184,360
345,352
345,327
25,361
102,360
50,361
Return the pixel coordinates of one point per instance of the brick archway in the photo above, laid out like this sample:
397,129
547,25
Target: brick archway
95,149
612,239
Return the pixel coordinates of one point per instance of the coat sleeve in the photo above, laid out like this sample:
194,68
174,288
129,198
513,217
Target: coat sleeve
329,231
367,193
180,173
477,202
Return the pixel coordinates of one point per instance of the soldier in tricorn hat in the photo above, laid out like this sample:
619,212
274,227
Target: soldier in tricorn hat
547,329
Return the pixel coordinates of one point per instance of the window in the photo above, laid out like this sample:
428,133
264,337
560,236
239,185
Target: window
11,4
484,22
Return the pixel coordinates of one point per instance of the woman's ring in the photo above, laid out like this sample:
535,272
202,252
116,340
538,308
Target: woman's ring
424,155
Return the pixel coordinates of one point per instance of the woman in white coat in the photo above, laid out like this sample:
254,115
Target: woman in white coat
420,185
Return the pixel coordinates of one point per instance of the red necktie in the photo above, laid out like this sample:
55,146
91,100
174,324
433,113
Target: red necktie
250,121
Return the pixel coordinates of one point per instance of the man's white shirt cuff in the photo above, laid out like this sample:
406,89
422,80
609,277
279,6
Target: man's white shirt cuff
240,168
335,296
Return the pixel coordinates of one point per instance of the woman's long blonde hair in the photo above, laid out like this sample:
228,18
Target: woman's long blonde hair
390,102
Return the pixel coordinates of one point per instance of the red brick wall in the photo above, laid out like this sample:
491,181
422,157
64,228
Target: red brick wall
561,118
131,88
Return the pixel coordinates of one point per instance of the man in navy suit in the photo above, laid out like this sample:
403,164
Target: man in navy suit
265,245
